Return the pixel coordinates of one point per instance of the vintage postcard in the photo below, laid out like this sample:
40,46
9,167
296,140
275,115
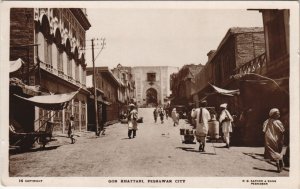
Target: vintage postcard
150,94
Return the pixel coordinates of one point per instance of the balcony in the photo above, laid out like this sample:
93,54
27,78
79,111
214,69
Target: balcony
256,65
49,68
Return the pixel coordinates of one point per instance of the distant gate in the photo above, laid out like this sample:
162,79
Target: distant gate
151,96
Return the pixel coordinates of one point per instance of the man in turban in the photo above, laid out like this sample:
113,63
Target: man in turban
202,117
274,136
225,121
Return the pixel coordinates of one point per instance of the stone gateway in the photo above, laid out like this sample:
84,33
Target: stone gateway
152,84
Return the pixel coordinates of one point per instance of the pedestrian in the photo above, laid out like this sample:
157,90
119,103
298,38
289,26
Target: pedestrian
202,117
166,112
175,117
132,121
274,137
70,129
155,114
225,120
161,114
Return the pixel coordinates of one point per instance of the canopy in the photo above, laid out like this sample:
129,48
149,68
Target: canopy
51,102
224,91
15,65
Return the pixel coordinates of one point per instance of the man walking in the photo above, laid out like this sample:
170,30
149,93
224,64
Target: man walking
202,116
161,114
274,138
132,121
155,114
225,120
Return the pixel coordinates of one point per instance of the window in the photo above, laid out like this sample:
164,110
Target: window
69,66
77,72
60,67
83,77
151,77
48,53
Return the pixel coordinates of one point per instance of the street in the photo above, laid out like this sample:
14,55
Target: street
157,151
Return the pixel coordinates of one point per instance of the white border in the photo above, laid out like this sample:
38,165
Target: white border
282,182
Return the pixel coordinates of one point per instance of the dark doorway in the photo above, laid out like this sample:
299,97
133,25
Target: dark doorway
151,97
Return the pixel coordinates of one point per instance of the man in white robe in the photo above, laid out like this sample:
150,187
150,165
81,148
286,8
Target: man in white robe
202,117
225,120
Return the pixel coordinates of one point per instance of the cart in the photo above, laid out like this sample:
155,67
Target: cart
22,138
187,136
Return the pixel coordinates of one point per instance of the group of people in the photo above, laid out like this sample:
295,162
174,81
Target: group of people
272,128
161,112
202,116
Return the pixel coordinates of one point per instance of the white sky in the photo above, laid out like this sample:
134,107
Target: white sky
162,37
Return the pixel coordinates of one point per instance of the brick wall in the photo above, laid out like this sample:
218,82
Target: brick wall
249,46
22,30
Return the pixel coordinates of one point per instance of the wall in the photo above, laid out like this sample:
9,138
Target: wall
161,85
22,33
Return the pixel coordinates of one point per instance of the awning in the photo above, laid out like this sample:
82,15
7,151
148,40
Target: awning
50,102
26,89
106,102
225,91
15,65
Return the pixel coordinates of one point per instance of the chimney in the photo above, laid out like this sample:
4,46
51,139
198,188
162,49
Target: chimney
210,54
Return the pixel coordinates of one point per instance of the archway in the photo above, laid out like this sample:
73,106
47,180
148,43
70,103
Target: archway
151,96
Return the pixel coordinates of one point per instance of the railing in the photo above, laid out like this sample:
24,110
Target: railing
253,66
59,73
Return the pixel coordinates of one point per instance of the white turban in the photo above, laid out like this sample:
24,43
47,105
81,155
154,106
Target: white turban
223,105
273,111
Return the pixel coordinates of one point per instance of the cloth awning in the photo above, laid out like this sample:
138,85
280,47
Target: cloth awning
225,91
15,65
51,102
106,102
26,89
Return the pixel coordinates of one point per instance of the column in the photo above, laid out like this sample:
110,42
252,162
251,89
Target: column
161,86
86,118
79,112
36,117
63,121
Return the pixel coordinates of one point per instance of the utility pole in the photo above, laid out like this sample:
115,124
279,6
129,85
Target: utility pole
95,91
98,129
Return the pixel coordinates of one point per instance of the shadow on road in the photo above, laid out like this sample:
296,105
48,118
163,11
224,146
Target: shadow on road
258,157
187,149
20,151
125,138
268,170
220,147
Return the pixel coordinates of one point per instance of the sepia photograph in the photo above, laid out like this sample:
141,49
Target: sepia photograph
145,94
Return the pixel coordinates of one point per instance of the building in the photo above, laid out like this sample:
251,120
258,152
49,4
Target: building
107,86
124,74
183,84
50,41
239,46
152,84
273,64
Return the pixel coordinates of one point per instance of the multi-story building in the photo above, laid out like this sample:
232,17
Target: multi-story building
123,73
239,46
273,64
183,84
50,41
108,85
152,84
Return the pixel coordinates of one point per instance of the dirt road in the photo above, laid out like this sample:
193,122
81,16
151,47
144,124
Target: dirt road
156,151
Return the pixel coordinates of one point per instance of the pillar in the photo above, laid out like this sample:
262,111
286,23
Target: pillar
63,121
80,110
